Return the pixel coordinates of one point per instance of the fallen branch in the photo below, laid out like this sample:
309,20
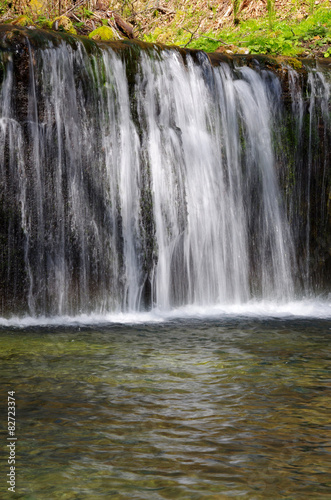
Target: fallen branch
219,40
154,21
74,7
123,26
116,34
163,10
192,33
75,17
97,16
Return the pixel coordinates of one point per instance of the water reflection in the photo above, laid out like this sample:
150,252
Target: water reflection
182,410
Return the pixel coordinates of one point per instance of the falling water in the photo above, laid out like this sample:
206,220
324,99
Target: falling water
136,177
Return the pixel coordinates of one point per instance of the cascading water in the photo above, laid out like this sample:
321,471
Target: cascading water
134,177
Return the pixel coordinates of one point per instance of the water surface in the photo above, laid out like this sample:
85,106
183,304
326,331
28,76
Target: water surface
225,407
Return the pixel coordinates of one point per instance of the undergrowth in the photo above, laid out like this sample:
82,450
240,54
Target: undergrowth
277,27
265,35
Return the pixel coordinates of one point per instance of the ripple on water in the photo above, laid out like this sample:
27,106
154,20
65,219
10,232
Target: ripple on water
217,408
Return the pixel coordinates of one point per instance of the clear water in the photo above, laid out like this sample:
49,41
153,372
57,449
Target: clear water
205,408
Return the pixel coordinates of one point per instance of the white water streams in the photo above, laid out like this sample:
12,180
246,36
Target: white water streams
161,192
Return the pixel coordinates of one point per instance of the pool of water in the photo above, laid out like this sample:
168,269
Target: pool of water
225,407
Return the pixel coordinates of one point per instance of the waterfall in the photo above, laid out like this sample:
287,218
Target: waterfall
135,177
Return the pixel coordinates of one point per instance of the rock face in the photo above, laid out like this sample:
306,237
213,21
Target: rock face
135,175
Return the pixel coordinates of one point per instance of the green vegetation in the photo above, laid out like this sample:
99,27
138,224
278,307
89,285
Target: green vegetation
267,35
3,7
271,12
23,21
236,9
311,6
292,28
103,33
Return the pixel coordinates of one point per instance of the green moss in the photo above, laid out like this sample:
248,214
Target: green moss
104,33
44,22
294,63
63,23
22,21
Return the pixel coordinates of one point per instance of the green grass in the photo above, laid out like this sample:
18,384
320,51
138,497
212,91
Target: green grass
271,12
286,38
260,36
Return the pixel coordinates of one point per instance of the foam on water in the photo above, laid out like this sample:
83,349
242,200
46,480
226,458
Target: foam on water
309,309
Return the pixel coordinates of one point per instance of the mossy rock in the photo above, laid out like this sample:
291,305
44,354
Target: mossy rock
63,23
45,23
104,33
232,49
294,63
22,21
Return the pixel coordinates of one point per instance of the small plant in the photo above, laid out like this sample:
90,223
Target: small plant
271,12
3,7
236,7
87,13
311,6
84,13
43,21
